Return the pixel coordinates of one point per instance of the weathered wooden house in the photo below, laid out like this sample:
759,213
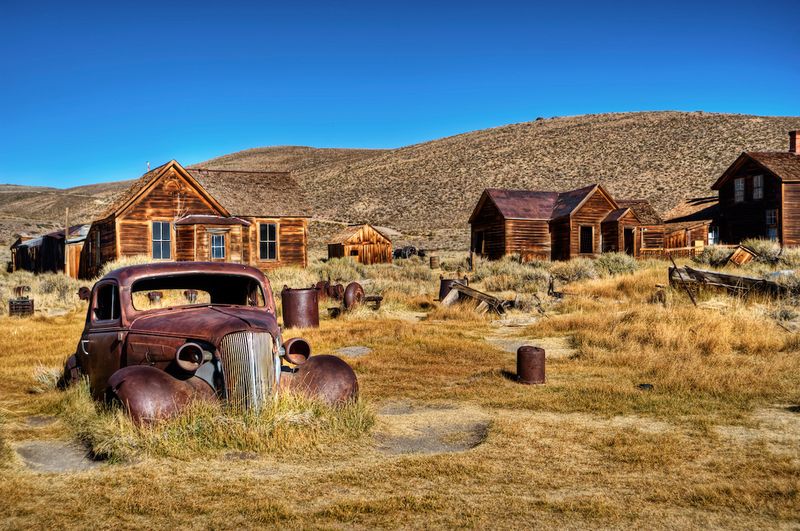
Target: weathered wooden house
759,196
175,213
364,243
54,252
553,225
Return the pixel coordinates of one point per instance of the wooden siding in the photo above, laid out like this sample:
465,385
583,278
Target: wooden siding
291,248
184,243
789,214
528,238
93,256
652,236
488,232
747,219
134,238
591,213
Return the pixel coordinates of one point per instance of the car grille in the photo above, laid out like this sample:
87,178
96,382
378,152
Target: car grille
248,368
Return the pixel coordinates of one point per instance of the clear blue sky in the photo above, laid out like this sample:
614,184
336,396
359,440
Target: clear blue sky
89,92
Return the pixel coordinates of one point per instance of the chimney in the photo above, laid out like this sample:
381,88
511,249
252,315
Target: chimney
793,147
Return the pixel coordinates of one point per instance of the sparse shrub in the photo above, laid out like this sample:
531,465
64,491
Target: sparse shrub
790,258
615,264
573,270
339,269
713,255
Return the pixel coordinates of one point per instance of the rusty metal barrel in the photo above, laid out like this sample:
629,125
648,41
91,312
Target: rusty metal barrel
530,365
434,262
300,307
445,284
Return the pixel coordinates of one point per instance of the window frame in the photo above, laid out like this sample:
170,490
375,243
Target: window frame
268,241
580,238
771,217
760,188
161,239
738,195
211,246
116,304
774,236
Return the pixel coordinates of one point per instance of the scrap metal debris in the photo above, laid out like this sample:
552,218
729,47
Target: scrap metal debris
459,292
735,284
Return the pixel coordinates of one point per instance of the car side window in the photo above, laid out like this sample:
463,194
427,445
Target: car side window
106,306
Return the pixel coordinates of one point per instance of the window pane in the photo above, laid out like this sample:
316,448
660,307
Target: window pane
262,232
165,250
156,231
271,232
263,250
166,234
272,249
156,250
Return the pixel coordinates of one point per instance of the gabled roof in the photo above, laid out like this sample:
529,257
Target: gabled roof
348,232
694,210
783,164
569,201
643,210
536,205
254,193
616,215
147,181
519,204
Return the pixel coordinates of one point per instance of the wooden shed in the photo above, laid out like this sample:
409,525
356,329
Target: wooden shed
49,253
364,243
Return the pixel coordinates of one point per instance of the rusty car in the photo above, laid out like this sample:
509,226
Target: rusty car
160,335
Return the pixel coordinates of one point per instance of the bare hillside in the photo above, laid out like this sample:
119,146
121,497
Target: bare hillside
429,189
288,158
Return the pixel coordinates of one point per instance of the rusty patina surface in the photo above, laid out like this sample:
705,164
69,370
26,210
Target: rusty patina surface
158,358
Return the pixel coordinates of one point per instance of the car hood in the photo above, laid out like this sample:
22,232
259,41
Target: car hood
207,323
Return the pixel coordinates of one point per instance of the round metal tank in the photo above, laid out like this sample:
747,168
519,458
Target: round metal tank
446,283
300,307
530,365
434,262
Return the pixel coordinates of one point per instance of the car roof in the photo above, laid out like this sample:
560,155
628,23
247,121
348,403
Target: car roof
128,275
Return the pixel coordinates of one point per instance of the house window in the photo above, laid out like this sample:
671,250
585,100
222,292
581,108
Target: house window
161,240
268,241
738,190
217,246
772,217
586,240
772,233
758,187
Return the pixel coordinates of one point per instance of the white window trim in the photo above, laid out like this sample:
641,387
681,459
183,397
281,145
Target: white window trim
212,246
153,240
276,241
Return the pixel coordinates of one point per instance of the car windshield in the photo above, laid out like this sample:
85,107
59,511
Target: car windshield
195,289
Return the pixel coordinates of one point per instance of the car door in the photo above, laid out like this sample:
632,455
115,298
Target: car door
101,344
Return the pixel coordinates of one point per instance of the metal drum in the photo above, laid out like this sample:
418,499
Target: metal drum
530,365
434,262
300,307
446,283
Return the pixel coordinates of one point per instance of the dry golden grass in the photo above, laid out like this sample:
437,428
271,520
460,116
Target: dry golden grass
588,449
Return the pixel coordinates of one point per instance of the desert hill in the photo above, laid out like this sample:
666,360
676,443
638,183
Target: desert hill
427,190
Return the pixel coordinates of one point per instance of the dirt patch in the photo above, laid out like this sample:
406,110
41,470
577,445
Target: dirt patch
778,427
554,347
408,429
39,421
355,351
55,456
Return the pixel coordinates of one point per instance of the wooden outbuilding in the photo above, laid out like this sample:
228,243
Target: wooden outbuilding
53,252
174,213
364,243
552,225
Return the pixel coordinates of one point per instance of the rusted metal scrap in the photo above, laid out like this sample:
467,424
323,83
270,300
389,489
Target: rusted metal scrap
300,307
459,292
155,361
351,298
735,284
530,365
21,305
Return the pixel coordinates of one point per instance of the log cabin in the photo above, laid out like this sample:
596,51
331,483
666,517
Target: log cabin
759,196
364,243
540,225
175,213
